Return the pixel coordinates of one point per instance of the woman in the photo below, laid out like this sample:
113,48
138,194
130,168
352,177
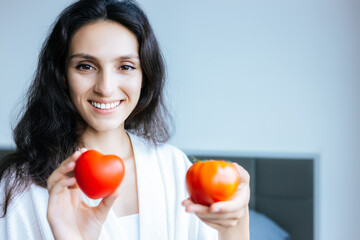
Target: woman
99,85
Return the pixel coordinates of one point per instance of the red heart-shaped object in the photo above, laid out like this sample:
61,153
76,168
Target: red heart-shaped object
99,175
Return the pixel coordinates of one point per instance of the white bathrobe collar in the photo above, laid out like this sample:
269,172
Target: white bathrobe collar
151,192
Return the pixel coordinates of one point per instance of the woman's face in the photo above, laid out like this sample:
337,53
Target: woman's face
104,74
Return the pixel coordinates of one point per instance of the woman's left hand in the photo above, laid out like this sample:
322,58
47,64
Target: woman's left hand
226,216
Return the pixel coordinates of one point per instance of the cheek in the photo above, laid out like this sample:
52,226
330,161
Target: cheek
133,88
74,91
77,90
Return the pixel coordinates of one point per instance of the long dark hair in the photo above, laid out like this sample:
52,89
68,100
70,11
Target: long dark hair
48,131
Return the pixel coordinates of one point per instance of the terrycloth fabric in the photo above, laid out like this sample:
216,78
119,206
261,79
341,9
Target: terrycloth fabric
161,188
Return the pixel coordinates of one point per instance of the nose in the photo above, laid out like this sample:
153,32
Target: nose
105,83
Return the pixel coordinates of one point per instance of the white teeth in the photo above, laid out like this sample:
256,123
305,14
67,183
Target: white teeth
105,106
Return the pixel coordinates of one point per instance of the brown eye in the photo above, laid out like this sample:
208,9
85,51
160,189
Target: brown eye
85,67
126,68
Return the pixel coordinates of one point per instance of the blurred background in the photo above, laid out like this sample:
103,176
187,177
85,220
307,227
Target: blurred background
249,77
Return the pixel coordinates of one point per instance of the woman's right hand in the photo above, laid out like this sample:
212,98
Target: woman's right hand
69,217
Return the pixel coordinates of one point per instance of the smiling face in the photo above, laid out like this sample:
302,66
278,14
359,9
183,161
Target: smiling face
104,74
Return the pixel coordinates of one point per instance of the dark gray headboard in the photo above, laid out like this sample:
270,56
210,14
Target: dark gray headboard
281,188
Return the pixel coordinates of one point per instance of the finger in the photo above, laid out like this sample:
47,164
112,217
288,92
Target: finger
59,193
227,206
192,207
105,205
60,173
225,223
217,216
65,167
61,170
212,224
186,202
240,200
244,175
72,173
82,150
234,205
61,185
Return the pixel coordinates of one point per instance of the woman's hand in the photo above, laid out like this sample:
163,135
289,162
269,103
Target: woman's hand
230,218
69,217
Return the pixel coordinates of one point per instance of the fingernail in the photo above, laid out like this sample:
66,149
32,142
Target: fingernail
69,164
185,203
190,210
216,209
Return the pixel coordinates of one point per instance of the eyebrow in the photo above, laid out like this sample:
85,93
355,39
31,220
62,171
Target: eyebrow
89,57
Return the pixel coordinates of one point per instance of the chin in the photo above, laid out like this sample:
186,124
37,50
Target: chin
106,126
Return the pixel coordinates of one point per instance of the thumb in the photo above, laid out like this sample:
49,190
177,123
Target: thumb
244,175
105,205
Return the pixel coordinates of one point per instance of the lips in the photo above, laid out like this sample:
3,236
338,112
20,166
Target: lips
109,105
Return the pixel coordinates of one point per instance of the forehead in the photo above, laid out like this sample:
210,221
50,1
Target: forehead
104,39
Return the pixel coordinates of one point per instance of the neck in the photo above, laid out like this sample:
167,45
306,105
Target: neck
108,142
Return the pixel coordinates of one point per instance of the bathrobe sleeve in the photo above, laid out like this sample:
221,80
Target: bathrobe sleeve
26,216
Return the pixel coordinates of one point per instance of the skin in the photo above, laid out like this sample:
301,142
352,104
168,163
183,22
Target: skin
103,66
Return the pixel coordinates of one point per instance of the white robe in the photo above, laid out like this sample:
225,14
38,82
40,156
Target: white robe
161,189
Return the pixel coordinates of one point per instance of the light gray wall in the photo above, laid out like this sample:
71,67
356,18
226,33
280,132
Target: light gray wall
260,77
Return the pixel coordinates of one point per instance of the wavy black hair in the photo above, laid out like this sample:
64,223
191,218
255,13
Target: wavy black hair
48,130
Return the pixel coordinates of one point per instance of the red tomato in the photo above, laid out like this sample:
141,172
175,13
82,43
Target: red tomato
212,181
99,175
